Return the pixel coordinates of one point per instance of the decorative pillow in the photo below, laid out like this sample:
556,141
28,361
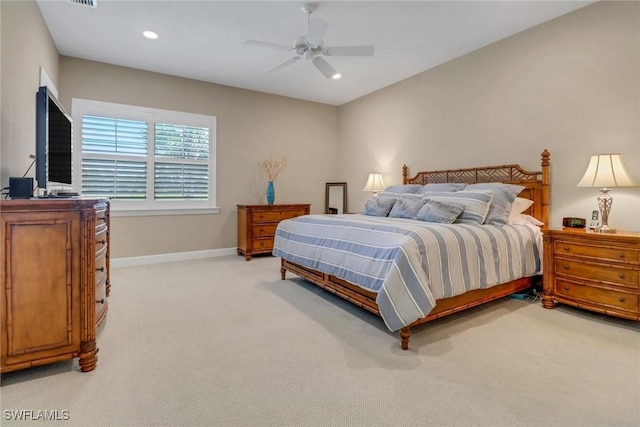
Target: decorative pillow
445,186
445,213
407,188
503,197
476,204
519,205
406,208
378,206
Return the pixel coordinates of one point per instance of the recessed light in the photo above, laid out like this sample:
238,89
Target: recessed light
150,35
336,76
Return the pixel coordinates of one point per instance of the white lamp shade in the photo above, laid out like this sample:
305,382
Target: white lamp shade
606,170
375,183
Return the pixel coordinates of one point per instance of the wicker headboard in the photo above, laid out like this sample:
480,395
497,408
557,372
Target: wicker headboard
536,183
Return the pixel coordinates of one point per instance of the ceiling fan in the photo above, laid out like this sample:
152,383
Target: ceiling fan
311,47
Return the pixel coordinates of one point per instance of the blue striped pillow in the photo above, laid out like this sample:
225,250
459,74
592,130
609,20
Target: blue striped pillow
378,206
476,204
402,189
406,208
445,213
503,197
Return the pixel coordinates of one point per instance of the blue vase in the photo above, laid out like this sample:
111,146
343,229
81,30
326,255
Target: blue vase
271,193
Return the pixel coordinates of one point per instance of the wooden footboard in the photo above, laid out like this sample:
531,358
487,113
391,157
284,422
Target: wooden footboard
367,299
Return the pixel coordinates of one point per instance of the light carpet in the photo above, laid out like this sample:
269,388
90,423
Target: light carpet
225,342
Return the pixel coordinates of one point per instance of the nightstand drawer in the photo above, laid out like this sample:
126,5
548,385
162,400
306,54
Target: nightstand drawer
264,230
274,215
613,254
262,244
597,272
593,295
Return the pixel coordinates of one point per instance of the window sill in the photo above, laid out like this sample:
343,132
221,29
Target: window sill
163,212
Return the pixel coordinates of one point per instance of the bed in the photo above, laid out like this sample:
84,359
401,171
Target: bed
415,271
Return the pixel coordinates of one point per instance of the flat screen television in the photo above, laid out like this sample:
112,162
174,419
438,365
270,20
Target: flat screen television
54,144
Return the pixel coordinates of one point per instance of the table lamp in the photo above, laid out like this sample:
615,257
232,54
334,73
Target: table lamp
374,184
606,171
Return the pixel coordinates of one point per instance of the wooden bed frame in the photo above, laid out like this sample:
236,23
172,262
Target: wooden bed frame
536,188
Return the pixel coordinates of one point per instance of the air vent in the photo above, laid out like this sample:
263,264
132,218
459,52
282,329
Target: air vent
90,3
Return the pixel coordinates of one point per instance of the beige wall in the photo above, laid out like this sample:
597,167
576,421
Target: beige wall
571,85
25,46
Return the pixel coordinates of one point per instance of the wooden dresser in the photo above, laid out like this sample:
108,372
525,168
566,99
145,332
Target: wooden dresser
55,280
257,226
594,271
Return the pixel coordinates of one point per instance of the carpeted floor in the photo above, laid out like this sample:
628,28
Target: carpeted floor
225,342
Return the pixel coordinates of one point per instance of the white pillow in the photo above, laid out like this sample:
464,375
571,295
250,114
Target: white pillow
519,205
524,219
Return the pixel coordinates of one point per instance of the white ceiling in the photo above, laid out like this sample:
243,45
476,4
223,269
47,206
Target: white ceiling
204,40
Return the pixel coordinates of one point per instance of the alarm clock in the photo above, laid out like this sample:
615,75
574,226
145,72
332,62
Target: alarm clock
572,222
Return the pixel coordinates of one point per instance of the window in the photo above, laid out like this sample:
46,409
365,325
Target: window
144,159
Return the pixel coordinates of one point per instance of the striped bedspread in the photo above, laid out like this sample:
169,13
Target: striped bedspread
409,263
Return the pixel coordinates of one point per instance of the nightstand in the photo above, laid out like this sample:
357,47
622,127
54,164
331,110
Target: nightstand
594,271
257,226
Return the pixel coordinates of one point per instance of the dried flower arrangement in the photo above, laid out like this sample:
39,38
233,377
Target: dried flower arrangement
273,167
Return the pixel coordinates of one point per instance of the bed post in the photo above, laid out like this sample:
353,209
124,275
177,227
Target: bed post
405,171
405,334
545,187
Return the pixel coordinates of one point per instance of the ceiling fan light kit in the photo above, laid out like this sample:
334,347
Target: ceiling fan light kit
311,47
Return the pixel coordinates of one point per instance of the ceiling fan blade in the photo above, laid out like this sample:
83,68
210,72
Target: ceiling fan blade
266,44
284,64
317,29
348,51
324,67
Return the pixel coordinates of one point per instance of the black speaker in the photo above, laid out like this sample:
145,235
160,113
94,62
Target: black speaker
20,188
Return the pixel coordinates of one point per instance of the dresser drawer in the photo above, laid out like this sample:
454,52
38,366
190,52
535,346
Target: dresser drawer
101,268
597,272
259,245
101,241
262,230
101,218
101,301
274,215
597,296
602,253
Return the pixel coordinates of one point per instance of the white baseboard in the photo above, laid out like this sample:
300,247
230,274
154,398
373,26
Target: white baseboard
178,256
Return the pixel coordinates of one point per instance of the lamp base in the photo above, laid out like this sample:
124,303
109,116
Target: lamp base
605,229
604,203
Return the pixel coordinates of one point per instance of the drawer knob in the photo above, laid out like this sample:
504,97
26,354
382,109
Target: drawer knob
622,299
566,266
100,269
621,256
621,275
565,248
101,301
101,242
566,288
